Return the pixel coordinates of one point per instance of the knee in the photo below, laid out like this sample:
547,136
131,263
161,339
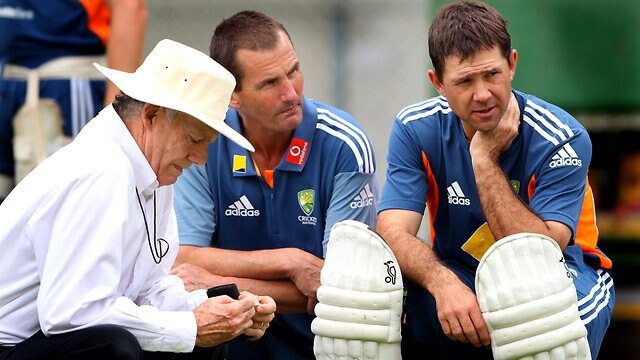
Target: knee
117,343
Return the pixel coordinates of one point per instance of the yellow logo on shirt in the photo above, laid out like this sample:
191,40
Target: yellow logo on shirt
479,242
239,163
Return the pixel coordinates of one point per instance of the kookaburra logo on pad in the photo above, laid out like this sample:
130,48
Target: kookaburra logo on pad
391,270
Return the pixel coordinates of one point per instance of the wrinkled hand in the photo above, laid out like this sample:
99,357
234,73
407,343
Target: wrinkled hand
459,314
265,312
306,275
494,142
194,277
221,319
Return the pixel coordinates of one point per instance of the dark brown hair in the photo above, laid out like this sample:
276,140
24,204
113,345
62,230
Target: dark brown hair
464,28
250,30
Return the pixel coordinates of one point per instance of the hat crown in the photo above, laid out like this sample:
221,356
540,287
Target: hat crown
190,77
178,77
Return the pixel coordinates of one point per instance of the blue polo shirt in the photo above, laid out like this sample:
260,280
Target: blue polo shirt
546,164
326,176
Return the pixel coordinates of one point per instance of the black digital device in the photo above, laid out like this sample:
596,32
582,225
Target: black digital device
230,290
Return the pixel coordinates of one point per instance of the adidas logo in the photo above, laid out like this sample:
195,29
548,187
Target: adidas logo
364,198
242,207
456,196
566,156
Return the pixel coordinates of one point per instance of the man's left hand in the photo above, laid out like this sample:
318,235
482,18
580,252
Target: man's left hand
265,312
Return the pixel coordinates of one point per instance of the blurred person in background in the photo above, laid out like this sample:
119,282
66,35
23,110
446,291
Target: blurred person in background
268,214
48,87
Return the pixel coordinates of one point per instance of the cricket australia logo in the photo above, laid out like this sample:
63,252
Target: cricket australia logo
306,200
391,270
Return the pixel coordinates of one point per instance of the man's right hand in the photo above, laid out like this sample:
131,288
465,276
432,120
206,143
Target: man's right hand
221,319
305,274
459,313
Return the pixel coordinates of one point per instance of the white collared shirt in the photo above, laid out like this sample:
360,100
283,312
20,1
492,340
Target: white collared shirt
75,251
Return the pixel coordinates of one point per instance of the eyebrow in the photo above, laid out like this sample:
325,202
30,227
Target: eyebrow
265,81
468,75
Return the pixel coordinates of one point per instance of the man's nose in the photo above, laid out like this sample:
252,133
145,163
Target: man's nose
288,91
481,92
199,154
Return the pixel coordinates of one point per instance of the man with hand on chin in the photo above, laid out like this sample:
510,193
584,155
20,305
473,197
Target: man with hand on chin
490,162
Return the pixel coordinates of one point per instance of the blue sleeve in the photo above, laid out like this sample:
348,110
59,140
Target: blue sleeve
194,207
354,197
560,186
406,183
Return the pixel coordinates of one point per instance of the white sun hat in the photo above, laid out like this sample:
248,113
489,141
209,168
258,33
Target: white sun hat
178,77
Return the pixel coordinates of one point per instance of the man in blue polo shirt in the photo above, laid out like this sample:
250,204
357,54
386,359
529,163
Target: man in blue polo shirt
489,162
262,219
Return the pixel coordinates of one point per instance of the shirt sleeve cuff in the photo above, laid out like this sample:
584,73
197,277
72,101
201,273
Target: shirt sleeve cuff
180,333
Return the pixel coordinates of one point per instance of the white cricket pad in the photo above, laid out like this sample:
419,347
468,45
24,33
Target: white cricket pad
359,306
528,300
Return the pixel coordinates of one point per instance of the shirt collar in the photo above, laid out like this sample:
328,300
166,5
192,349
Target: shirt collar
302,136
146,178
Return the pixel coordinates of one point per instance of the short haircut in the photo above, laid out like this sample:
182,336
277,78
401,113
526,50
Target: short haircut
249,30
464,28
126,106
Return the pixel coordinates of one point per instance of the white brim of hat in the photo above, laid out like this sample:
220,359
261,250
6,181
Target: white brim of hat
138,89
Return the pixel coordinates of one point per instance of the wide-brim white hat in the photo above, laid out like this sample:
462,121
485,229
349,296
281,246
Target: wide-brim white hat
178,77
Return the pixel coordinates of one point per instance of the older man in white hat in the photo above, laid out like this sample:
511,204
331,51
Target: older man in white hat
88,238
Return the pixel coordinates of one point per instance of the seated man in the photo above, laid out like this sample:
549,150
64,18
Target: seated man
267,215
490,162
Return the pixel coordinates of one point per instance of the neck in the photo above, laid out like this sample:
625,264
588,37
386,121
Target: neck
468,131
270,146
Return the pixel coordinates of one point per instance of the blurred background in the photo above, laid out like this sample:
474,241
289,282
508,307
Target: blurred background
370,58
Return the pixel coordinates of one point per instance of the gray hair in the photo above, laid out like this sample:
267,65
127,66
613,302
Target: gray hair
128,108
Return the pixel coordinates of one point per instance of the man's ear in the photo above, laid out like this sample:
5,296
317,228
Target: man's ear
513,59
436,82
235,100
148,114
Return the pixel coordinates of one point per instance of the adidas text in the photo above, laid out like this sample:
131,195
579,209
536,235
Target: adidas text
361,203
241,212
454,200
565,162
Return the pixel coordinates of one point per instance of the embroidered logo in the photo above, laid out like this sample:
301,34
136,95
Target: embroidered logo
363,199
456,196
515,185
239,163
566,156
297,151
306,200
242,207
